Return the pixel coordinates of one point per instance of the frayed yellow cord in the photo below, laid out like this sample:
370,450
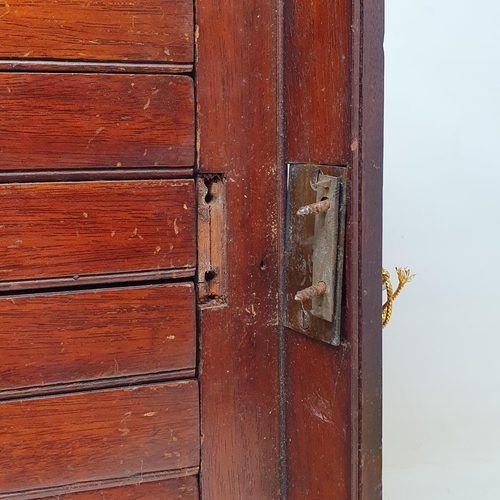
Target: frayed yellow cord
404,276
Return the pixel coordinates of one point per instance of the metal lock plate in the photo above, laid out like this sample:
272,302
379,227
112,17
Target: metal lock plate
314,256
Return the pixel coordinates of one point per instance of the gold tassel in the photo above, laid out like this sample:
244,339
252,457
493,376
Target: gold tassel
404,276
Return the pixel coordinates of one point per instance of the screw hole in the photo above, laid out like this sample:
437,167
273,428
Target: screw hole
262,265
210,275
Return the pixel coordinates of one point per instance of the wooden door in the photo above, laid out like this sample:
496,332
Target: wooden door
143,154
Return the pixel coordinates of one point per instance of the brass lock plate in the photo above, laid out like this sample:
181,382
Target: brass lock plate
314,250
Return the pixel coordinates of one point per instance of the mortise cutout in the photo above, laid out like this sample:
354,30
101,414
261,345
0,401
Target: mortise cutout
211,240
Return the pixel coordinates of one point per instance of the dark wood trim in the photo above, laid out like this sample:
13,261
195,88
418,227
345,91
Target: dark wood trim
107,279
54,66
97,485
92,385
371,120
352,300
282,200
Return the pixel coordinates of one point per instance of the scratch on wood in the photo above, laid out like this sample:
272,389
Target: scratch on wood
7,7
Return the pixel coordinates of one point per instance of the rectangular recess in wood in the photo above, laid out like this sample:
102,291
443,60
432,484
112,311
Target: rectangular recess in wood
70,229
54,441
109,30
97,334
71,121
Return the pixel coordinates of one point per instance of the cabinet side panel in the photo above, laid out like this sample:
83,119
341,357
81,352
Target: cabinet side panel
333,114
371,122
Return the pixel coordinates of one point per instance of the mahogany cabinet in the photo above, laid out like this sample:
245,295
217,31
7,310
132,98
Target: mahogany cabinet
144,154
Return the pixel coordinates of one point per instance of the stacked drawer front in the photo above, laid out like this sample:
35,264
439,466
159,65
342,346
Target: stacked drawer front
97,231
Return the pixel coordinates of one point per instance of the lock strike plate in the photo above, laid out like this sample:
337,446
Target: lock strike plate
314,257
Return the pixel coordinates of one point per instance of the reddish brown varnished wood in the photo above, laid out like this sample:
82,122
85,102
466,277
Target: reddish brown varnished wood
318,430
96,487
185,488
70,121
319,378
238,120
54,441
136,30
333,115
103,383
67,337
317,81
89,228
371,126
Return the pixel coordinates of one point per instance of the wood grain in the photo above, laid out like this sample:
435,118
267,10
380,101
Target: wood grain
53,441
116,486
136,30
317,81
67,337
321,380
87,228
318,430
371,127
238,126
333,108
211,225
185,488
70,121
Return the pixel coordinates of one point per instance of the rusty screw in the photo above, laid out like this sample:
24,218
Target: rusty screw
314,208
311,292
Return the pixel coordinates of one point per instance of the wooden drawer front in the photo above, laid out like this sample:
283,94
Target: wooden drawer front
67,337
185,488
135,30
87,228
72,121
53,441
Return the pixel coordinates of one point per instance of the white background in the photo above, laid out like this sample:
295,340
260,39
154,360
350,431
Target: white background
442,219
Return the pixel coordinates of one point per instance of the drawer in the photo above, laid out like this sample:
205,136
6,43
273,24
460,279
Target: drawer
92,335
76,121
73,229
135,30
94,436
